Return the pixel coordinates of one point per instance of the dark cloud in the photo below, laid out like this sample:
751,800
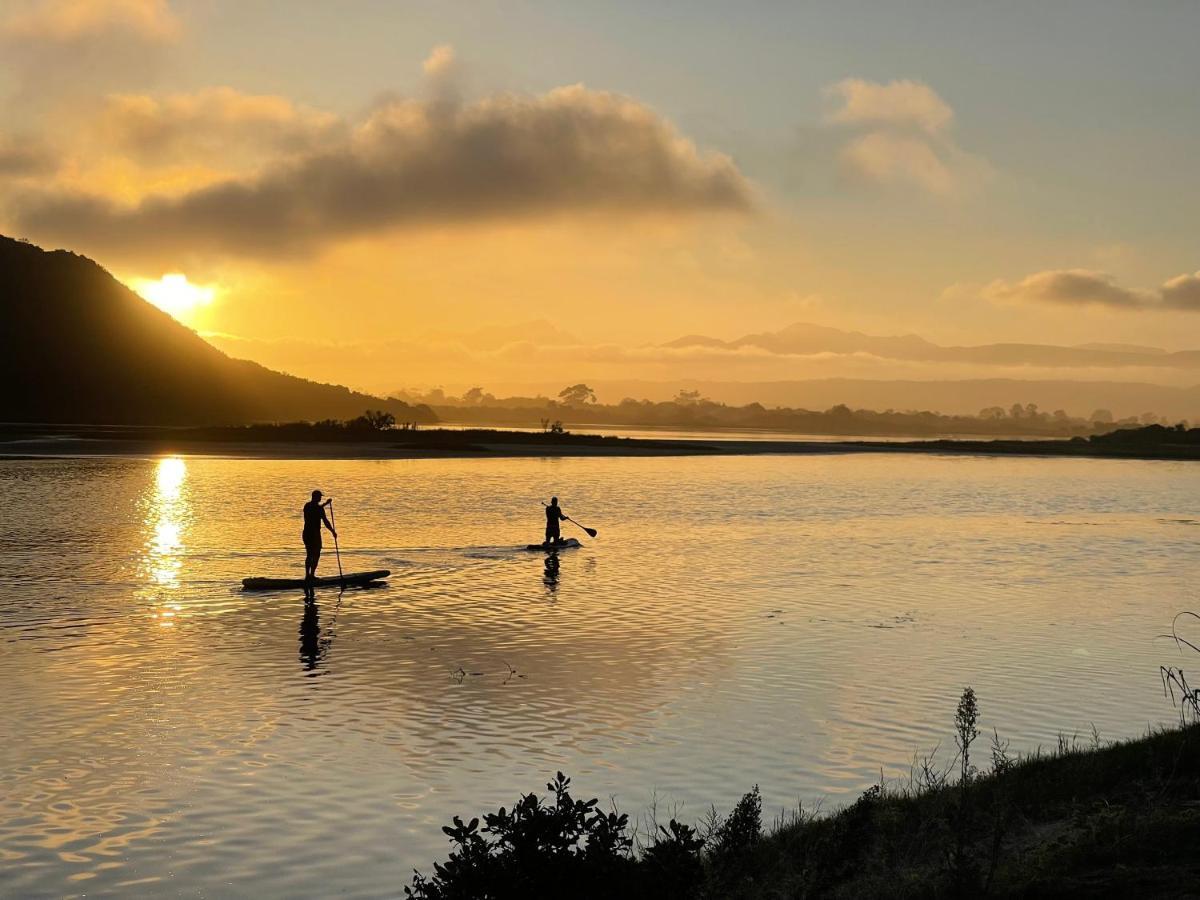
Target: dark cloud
21,157
414,163
1078,287
1183,292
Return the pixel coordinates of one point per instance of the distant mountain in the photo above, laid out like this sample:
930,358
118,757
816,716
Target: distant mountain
803,339
1121,348
76,345
696,340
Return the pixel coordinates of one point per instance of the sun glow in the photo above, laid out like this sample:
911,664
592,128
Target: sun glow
174,294
168,515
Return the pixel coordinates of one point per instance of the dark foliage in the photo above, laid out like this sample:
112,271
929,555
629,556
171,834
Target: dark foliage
1117,820
560,848
1151,434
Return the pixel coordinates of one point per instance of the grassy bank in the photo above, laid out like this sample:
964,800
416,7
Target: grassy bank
350,440
1081,818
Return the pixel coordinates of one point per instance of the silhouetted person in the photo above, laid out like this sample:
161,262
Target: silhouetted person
314,517
554,515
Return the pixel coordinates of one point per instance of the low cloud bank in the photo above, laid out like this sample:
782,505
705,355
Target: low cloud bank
1080,287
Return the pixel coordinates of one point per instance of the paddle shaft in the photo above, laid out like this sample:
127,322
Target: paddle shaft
336,549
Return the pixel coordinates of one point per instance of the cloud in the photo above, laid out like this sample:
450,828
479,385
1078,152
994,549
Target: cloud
213,122
68,48
21,156
440,61
902,137
1084,287
897,103
886,158
1182,292
413,163
1068,286
72,22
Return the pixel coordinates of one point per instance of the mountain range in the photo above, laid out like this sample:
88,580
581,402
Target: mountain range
78,346
803,339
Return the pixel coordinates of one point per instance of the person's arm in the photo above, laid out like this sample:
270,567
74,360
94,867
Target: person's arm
562,516
326,521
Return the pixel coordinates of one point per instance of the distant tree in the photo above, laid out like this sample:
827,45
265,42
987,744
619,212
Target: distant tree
474,396
989,412
1017,411
1149,418
1060,415
687,398
377,420
577,395
371,420
1103,416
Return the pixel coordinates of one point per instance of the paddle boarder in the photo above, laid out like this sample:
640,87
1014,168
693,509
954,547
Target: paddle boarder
554,515
314,517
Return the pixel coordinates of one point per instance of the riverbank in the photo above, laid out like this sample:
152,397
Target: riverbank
270,442
1091,820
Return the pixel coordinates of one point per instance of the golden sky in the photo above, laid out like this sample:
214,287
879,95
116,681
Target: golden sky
419,185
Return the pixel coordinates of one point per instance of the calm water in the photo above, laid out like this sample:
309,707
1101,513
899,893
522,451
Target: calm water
796,622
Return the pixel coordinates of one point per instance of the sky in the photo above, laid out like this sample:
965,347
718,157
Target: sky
494,193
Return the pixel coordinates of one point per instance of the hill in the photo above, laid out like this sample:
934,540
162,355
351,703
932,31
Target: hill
76,345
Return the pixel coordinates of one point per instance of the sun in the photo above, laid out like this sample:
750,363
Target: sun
175,295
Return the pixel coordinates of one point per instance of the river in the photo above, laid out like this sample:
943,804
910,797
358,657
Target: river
801,623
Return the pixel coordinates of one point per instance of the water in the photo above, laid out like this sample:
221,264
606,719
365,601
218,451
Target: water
796,622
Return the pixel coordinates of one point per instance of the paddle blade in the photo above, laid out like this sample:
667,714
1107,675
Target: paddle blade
591,532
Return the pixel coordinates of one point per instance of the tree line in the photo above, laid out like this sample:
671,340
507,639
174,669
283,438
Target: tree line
578,405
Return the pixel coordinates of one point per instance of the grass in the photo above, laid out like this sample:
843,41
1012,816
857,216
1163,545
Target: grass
1082,818
1120,819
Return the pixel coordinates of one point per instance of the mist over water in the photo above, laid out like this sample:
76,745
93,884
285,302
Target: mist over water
795,622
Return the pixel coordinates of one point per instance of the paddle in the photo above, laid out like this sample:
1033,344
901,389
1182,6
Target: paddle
591,532
336,549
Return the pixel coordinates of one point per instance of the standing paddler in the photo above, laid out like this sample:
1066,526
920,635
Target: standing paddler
554,515
314,518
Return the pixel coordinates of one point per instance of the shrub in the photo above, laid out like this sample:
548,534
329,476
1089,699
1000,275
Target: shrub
560,848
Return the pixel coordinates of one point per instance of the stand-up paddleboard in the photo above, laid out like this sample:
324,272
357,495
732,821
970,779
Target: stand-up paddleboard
349,579
568,544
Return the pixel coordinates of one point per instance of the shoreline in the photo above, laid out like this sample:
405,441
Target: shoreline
464,447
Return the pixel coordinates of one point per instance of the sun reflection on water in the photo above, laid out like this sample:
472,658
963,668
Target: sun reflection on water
168,514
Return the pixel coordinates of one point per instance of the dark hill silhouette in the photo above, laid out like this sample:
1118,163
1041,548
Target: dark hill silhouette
76,345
